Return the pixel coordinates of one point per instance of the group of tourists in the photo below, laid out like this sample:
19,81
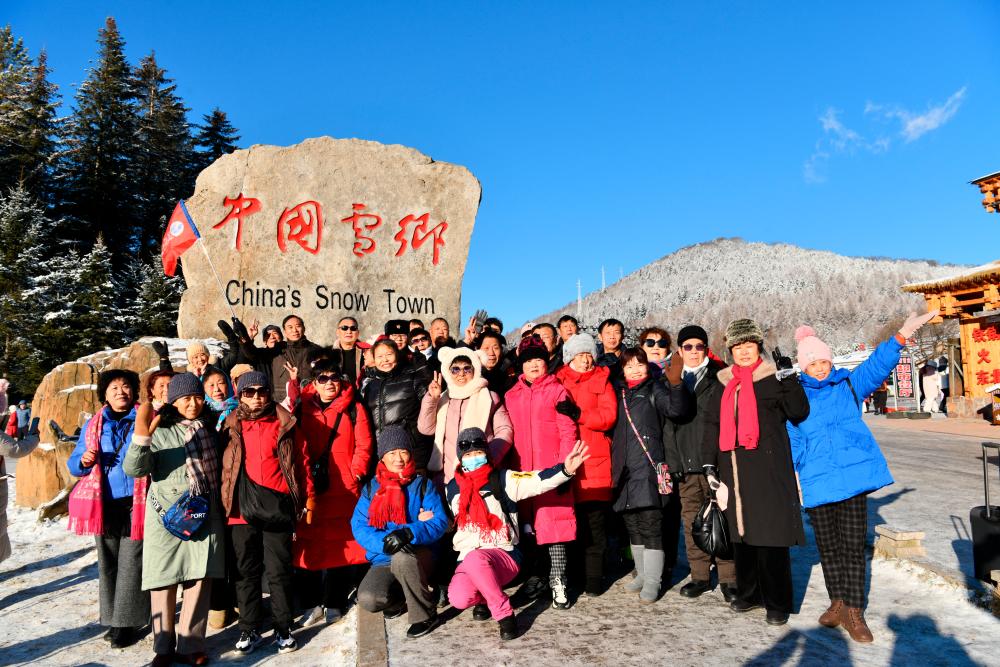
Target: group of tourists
418,471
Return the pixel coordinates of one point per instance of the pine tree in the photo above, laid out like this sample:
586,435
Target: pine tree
36,131
100,146
163,167
216,138
15,75
95,307
149,301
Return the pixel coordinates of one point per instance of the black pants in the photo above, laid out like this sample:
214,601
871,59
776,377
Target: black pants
592,541
840,530
645,527
223,595
260,552
671,529
764,574
329,588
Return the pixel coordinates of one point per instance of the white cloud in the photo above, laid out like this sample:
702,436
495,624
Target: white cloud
838,138
916,125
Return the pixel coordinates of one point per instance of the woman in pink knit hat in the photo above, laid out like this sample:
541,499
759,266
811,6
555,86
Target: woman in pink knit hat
839,463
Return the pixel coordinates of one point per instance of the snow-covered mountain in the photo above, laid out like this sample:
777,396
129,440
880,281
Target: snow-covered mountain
848,300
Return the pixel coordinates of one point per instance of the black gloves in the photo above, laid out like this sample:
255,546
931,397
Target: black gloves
397,541
239,329
161,349
226,330
569,408
676,477
710,471
782,362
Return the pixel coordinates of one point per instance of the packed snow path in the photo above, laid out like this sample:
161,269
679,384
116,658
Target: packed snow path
48,601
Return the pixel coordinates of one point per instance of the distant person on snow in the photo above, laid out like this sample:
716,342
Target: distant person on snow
839,463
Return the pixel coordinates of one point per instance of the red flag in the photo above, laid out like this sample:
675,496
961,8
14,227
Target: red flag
180,235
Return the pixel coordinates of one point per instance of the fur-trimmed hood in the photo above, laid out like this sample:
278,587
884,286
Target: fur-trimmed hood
766,369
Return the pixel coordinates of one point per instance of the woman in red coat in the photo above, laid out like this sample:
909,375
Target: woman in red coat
596,412
333,439
543,436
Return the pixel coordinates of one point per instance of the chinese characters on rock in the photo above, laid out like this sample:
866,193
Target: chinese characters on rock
303,225
985,376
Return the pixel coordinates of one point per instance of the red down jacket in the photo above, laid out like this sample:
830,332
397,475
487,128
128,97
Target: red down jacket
595,397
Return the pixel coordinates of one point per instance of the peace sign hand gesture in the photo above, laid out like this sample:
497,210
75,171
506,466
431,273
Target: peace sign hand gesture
434,388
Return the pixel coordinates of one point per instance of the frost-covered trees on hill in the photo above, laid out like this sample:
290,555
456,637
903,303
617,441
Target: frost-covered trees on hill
848,300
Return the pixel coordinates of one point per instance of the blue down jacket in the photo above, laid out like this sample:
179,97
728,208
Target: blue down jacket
835,455
420,494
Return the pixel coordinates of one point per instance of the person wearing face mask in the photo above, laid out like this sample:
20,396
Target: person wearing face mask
484,500
262,499
595,409
178,448
334,445
544,435
393,391
110,505
839,463
644,405
746,448
683,450
398,519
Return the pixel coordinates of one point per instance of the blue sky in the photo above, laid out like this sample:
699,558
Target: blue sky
609,133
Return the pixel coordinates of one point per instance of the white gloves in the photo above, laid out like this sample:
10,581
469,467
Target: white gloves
914,322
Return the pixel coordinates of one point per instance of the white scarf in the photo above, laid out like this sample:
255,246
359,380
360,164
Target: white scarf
475,391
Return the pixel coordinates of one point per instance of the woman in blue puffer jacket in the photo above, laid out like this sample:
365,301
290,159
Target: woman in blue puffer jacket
838,464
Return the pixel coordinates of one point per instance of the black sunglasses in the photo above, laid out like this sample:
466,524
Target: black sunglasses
661,343
420,339
693,346
348,327
326,379
465,446
252,392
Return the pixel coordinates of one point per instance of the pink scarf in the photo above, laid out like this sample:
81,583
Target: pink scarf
86,516
747,431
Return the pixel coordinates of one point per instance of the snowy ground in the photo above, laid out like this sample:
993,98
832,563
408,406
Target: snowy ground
48,600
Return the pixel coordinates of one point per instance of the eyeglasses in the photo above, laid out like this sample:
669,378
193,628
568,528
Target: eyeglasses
327,379
420,339
465,370
661,343
348,327
687,347
253,392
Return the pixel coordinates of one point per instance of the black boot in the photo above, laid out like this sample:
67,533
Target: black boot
740,605
110,635
125,637
728,592
508,627
775,617
694,588
395,610
423,628
481,613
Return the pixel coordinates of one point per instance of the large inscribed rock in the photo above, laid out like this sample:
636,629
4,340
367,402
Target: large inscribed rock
324,229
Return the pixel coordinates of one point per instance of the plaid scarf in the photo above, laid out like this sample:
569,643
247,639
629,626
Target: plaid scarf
202,458
86,515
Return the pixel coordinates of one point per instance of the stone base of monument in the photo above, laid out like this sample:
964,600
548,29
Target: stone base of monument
898,543
67,395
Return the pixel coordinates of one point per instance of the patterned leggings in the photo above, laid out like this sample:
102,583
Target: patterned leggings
557,557
840,529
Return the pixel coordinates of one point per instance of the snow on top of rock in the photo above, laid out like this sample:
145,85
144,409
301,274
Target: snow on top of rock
69,390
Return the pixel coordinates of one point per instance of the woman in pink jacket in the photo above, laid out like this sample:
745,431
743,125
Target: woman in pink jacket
543,436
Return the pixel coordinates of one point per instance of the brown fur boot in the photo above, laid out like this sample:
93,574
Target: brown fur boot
854,622
831,617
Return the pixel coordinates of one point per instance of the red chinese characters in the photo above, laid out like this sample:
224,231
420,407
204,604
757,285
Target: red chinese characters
419,234
984,357
984,335
363,245
982,377
302,224
239,208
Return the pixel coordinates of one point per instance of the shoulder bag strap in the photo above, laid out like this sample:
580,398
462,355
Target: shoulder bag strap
853,393
628,415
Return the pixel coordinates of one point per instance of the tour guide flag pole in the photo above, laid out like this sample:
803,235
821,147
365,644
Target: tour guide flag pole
181,234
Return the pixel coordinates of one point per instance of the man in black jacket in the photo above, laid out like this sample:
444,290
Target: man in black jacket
683,440
293,352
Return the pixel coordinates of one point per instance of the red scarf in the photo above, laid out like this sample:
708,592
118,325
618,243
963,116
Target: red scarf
747,431
389,503
86,516
472,509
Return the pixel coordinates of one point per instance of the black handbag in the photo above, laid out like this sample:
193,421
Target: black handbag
710,530
264,508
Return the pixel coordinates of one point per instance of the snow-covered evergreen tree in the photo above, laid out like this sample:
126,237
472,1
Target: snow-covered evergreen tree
148,301
100,146
215,138
164,165
15,75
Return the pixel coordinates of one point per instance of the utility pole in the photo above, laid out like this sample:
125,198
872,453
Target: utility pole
602,278
579,300
620,273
